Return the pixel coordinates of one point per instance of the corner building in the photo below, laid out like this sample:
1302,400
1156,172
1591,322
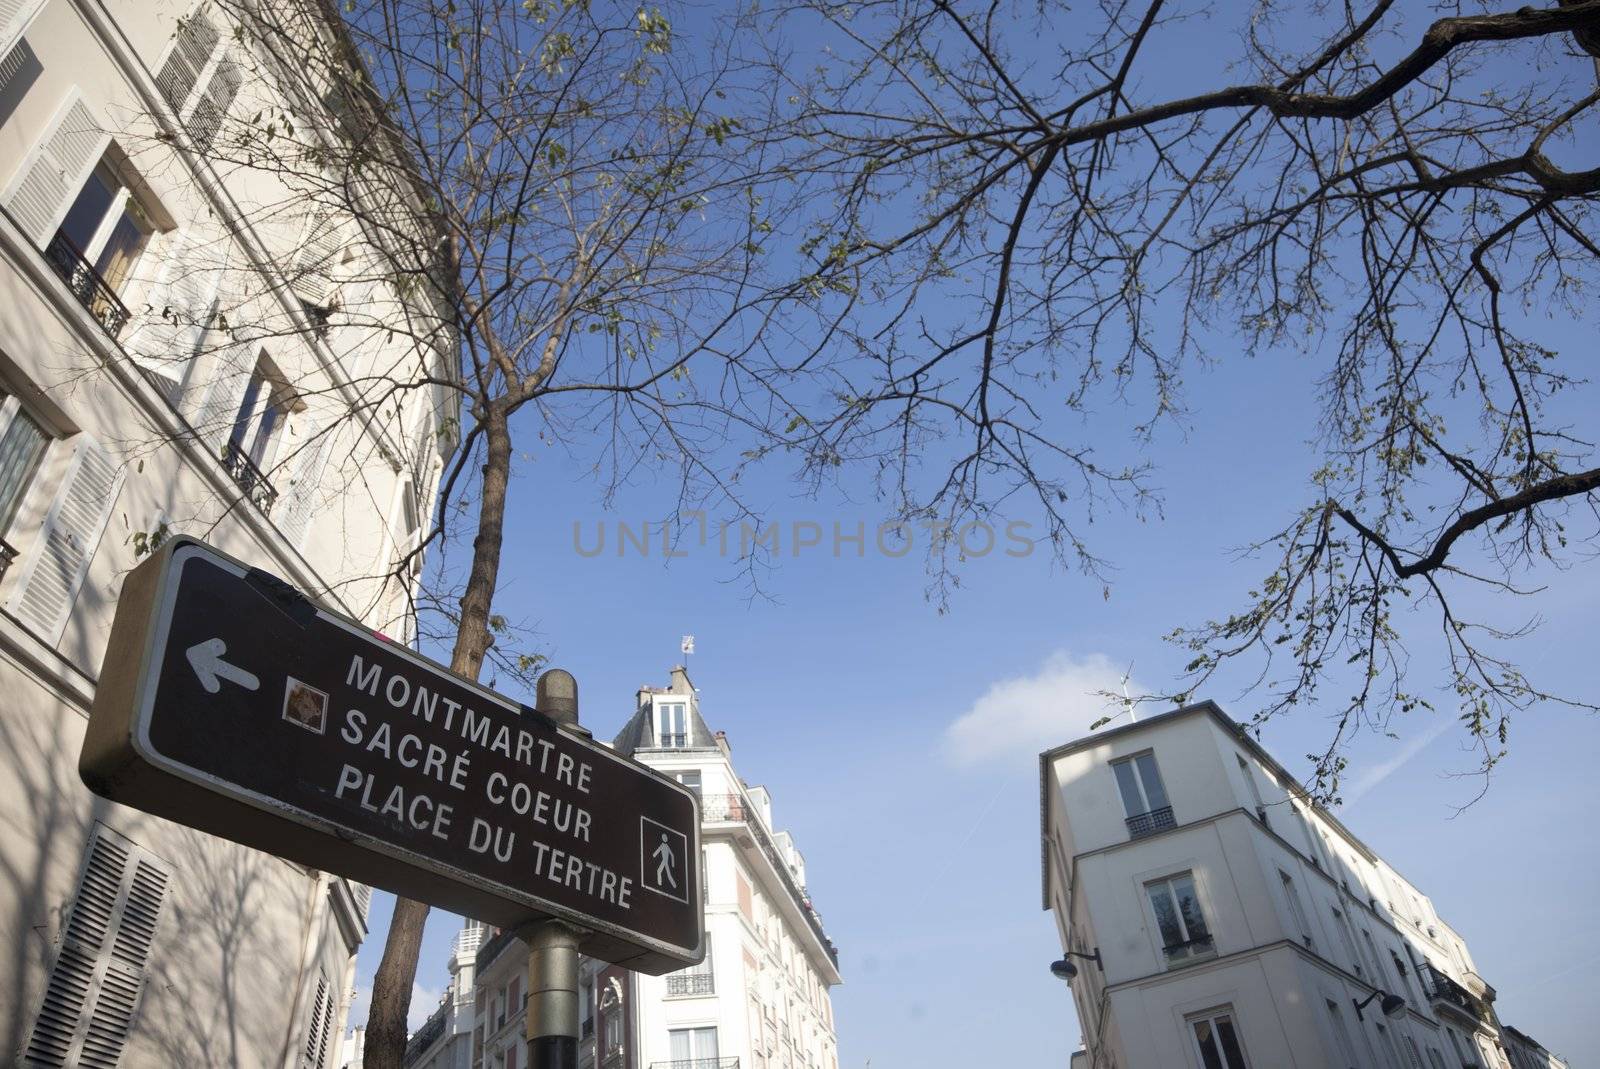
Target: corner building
1236,924
129,410
760,999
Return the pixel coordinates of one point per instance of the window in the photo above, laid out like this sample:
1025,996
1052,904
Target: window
257,427
319,1027
1377,962
1413,1053
1184,935
690,779
1435,1059
1255,788
1217,1040
106,226
261,416
99,971
672,727
1144,798
693,1045
1341,923
1404,974
1297,910
1391,1056
22,447
695,980
1341,1036
614,1029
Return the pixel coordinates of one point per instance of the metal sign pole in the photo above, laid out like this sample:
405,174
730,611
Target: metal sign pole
552,1025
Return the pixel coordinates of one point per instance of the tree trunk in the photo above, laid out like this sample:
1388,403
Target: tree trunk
391,985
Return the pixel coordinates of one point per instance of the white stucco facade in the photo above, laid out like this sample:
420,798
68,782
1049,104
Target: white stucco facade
1236,924
131,408
760,1000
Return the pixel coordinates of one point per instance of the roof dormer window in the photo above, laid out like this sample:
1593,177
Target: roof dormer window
672,724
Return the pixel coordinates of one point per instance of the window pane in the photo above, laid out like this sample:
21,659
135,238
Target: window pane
1210,1056
122,251
1166,914
1150,776
20,451
1189,906
1132,803
88,211
1232,1056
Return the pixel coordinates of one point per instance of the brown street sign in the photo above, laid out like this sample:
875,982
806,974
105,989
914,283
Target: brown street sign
230,703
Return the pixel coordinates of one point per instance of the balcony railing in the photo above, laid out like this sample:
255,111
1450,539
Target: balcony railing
697,1063
426,1036
1151,822
86,284
691,983
249,477
1203,946
1441,988
735,808
8,553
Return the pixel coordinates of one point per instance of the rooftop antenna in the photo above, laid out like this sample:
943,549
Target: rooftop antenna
687,646
1133,717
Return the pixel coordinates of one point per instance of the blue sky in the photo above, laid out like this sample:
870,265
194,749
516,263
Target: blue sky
900,743
839,688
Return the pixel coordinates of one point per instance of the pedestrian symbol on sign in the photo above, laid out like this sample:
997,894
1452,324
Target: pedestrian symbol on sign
664,860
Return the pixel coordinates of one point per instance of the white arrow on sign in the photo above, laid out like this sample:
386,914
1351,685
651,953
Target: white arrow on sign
206,660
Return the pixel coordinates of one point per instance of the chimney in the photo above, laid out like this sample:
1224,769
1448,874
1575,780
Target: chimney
722,744
680,680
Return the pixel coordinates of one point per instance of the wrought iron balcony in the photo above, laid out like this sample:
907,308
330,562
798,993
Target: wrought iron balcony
86,284
1202,946
1444,990
691,983
248,476
697,1063
1151,822
8,553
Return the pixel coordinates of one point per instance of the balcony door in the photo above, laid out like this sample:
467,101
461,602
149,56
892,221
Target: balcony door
693,1048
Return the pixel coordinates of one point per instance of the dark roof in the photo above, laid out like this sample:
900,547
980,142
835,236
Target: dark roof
639,733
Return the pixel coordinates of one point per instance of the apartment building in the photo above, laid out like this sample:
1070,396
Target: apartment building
171,360
1528,1053
445,1040
760,999
1210,917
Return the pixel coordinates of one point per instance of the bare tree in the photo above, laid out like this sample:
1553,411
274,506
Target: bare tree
559,198
1036,227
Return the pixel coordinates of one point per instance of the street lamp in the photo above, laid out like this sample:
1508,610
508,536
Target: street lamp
1065,970
1392,1005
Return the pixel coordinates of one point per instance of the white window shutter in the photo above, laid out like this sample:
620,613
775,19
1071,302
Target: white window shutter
14,18
316,1035
13,61
298,499
93,991
53,173
66,543
180,304
220,396
312,278
197,38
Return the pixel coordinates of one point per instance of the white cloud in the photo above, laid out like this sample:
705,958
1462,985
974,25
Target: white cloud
1384,769
1028,714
